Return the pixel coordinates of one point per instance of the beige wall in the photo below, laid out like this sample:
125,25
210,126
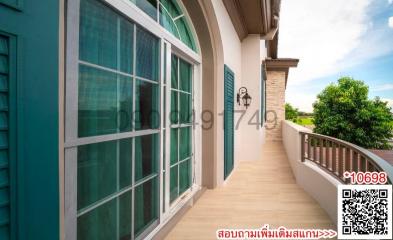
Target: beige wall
232,57
251,136
275,104
244,58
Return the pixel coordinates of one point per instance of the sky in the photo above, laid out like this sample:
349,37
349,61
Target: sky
335,38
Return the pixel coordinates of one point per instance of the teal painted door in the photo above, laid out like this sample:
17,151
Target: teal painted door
229,78
29,120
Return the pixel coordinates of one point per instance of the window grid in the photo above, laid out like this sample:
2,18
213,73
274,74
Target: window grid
179,126
133,134
73,141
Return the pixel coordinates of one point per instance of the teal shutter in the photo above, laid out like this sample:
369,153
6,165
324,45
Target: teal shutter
29,120
229,79
5,197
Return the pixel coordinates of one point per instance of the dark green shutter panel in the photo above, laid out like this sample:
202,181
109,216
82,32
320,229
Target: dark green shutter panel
229,79
4,141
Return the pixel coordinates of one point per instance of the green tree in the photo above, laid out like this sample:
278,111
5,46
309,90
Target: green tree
291,113
344,111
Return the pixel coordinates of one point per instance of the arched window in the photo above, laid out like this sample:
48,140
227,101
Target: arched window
170,15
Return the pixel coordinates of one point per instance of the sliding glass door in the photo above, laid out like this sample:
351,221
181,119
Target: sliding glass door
128,126
118,122
181,127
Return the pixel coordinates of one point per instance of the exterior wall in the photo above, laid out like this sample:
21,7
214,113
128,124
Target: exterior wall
315,181
232,51
275,104
250,129
204,20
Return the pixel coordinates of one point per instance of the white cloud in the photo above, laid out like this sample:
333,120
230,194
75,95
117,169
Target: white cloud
328,36
383,87
390,1
390,103
391,21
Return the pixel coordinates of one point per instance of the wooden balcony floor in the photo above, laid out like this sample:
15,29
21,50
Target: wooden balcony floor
257,193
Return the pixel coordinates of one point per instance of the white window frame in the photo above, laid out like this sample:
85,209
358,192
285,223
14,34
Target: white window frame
175,46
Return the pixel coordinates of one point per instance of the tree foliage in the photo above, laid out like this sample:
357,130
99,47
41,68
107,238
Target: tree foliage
291,113
344,111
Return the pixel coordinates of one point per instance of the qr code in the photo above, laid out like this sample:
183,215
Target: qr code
364,212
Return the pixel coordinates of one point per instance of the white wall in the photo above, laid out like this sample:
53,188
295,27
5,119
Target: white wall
316,182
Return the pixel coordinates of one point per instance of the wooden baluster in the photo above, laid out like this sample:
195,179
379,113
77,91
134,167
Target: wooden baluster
370,166
347,159
347,162
303,157
327,155
340,161
309,147
322,159
314,146
363,164
355,161
334,156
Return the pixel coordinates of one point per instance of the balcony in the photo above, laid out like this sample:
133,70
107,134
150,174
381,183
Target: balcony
288,187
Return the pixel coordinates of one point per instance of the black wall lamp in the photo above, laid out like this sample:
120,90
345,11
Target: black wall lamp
243,97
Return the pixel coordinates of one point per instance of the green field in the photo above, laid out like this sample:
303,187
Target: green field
305,120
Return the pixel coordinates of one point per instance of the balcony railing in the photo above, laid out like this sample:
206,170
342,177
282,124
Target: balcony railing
337,156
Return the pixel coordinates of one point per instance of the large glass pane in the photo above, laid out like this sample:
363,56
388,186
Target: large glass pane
125,214
185,143
125,113
164,150
98,102
174,187
185,108
148,6
96,172
174,113
185,76
146,156
171,7
146,205
164,107
174,145
99,224
184,176
167,22
98,34
174,72
147,114
125,162
147,55
185,33
126,46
